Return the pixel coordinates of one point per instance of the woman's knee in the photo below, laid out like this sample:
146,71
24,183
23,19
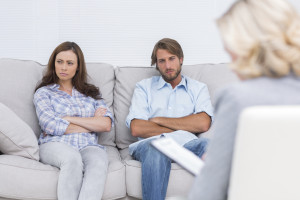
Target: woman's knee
60,155
74,160
94,157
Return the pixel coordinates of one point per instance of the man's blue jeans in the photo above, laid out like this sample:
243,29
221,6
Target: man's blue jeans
156,167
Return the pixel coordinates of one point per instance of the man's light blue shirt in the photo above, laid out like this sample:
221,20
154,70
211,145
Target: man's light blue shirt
154,97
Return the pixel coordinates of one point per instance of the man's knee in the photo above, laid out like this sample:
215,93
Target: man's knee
149,154
201,142
204,141
146,149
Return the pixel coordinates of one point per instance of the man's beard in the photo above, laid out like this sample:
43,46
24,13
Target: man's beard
171,78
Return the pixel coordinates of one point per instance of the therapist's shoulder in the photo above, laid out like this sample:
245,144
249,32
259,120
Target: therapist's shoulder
237,95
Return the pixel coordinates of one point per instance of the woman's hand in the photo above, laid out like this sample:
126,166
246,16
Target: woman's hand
100,112
74,128
97,124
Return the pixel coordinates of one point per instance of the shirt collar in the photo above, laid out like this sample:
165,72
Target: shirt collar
54,86
162,83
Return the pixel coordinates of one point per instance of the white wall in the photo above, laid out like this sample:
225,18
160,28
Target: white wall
119,32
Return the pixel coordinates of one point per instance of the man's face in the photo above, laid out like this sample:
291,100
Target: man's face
169,65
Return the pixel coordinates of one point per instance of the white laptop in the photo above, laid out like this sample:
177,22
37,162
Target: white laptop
185,158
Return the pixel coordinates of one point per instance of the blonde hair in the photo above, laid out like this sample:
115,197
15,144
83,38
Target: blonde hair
265,37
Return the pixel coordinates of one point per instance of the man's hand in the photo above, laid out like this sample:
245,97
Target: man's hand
147,128
155,120
194,123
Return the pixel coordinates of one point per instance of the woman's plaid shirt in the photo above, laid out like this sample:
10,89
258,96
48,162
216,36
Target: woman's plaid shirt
53,104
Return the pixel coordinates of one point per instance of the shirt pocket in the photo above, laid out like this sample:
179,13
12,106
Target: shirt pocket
62,108
185,109
87,108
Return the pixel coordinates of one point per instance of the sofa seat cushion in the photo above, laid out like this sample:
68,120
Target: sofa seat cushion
115,187
23,178
180,180
16,137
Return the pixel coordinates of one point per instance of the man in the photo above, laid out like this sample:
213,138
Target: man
170,105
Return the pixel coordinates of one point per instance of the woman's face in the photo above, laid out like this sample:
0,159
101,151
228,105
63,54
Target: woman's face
66,65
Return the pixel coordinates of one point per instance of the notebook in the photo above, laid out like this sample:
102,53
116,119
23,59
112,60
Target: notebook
185,158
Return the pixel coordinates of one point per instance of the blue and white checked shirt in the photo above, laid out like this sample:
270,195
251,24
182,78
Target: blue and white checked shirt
154,97
53,104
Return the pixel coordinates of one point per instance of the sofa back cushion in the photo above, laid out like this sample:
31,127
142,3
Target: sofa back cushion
103,76
214,75
18,79
126,78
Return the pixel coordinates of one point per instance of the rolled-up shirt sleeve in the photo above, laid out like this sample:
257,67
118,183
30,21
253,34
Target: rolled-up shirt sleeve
49,122
101,104
139,108
203,102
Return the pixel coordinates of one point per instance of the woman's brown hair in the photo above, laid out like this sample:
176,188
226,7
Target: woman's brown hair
79,81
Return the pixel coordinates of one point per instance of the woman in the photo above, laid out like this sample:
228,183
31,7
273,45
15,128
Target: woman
71,113
263,40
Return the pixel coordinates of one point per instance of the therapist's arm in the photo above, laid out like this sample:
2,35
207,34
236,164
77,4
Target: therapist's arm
213,181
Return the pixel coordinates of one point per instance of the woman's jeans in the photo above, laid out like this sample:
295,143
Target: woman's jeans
156,167
82,173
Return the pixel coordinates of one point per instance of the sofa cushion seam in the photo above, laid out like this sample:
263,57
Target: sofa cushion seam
23,149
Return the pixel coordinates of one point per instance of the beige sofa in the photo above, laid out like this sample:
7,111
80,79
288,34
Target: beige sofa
24,177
